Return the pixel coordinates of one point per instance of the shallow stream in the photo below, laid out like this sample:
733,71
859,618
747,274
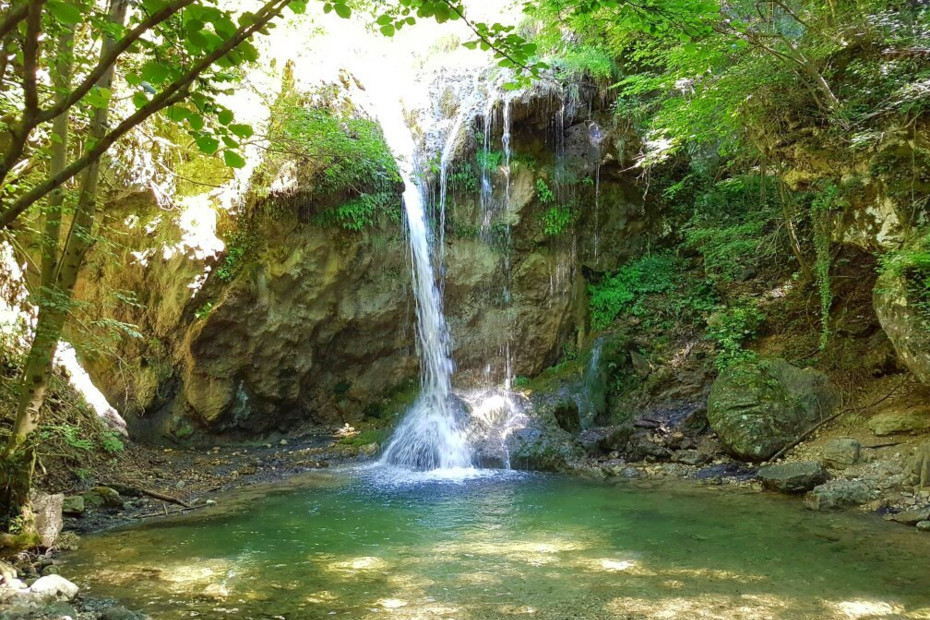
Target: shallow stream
372,543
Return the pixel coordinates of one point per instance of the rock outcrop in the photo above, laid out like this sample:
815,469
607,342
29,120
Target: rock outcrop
759,407
903,322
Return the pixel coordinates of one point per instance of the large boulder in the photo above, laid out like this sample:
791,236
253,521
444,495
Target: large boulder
760,406
904,321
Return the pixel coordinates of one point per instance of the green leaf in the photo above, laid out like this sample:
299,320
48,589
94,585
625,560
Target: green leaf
177,113
388,30
242,130
343,11
229,142
233,159
155,73
225,116
65,12
98,97
207,144
298,6
140,99
196,121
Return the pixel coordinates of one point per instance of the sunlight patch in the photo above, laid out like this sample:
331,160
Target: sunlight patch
866,609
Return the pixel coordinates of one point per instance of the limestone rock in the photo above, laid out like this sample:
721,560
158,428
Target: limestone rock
690,457
838,494
910,517
52,588
369,449
103,497
919,466
793,477
901,421
73,506
47,510
760,406
842,452
924,526
903,322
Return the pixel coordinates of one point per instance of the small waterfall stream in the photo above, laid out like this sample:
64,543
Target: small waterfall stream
431,436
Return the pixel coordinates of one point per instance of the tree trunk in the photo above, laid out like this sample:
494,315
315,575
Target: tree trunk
16,469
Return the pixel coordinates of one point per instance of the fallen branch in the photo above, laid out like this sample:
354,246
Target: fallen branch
130,490
168,514
808,432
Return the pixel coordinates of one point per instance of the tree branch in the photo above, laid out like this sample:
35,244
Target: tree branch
107,60
171,95
14,15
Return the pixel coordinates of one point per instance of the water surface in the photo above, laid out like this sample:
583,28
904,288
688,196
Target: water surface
371,544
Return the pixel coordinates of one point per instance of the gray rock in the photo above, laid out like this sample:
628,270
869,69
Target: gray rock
47,509
121,613
910,517
690,457
604,439
369,449
924,526
760,406
905,421
842,452
919,466
73,506
904,323
104,497
52,588
793,477
838,494
51,569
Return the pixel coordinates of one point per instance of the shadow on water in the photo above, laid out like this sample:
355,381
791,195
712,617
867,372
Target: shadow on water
477,545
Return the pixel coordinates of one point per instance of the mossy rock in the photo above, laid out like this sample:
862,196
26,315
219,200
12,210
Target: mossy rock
760,406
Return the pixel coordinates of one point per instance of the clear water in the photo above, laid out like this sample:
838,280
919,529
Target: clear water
480,545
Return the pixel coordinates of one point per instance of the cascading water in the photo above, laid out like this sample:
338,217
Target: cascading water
431,435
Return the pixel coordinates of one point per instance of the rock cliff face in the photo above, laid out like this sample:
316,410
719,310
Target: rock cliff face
299,321
315,325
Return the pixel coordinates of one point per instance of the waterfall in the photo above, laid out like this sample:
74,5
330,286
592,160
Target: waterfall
431,436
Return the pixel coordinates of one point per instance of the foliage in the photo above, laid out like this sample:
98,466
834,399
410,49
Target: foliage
360,213
239,245
912,263
543,192
557,219
729,328
821,206
340,151
489,160
730,226
626,291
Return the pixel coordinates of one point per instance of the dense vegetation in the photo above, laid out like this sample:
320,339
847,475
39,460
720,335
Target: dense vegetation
754,127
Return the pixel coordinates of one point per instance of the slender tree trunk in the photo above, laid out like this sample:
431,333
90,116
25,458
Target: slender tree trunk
19,456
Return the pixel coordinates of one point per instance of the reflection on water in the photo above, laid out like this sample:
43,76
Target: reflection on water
482,545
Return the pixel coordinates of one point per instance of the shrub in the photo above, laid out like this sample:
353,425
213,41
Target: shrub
730,328
626,290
